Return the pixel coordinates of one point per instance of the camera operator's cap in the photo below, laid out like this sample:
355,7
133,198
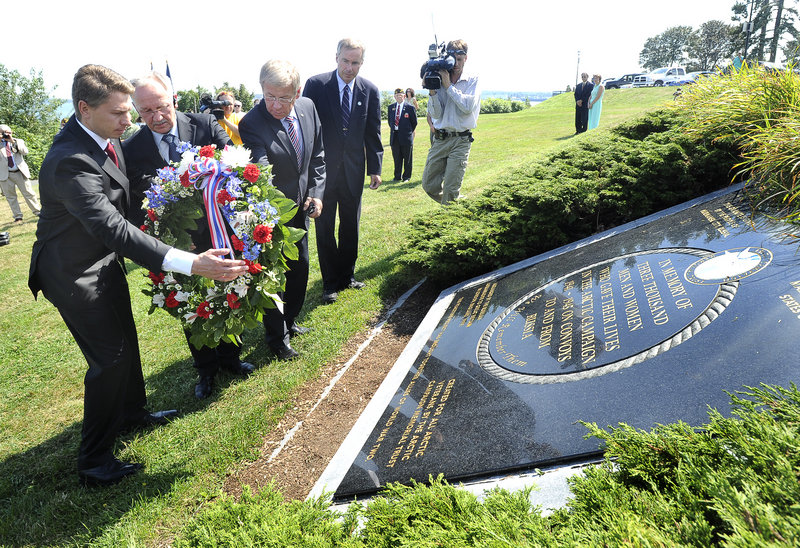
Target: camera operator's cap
398,90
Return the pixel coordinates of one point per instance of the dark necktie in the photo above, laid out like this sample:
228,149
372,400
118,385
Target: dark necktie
295,141
397,116
346,107
174,155
112,153
10,155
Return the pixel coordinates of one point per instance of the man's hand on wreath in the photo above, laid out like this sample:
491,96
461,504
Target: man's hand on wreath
209,264
317,211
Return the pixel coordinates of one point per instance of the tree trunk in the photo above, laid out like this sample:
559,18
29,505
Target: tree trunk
776,33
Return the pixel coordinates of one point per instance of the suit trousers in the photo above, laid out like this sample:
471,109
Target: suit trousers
445,168
403,157
337,261
581,119
9,186
114,384
208,360
277,323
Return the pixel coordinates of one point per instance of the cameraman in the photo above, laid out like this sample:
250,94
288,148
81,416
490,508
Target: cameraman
454,110
230,119
14,173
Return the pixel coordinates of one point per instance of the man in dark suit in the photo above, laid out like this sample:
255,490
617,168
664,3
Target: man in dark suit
151,149
583,92
77,263
285,131
350,109
402,125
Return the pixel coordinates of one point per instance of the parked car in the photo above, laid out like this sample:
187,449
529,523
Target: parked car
691,78
660,77
623,82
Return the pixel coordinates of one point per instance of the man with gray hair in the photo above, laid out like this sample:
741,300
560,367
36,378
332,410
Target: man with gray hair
350,109
284,130
14,173
154,147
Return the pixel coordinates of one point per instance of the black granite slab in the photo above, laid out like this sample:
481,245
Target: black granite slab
648,324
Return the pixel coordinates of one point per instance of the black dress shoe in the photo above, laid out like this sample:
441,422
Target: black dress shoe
108,473
355,285
329,297
146,420
284,352
298,330
242,368
203,388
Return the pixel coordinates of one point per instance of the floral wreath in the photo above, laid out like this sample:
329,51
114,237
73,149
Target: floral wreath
227,189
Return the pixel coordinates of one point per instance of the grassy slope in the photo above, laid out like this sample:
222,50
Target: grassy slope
42,369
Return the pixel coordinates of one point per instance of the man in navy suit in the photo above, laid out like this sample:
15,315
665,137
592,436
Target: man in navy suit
154,147
285,131
350,109
77,262
402,125
583,92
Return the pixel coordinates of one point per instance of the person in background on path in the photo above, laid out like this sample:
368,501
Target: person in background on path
595,102
153,148
77,262
454,110
402,126
237,107
583,92
14,173
350,109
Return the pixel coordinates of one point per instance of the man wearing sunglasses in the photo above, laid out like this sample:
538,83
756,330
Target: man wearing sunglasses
454,110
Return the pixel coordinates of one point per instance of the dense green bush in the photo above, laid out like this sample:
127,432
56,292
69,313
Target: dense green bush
598,181
731,482
495,106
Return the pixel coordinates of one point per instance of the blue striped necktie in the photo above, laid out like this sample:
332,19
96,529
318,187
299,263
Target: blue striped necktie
295,141
346,107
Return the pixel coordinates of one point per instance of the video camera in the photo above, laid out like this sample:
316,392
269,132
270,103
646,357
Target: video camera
438,59
206,103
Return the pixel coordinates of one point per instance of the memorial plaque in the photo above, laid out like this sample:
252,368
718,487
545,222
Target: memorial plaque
649,323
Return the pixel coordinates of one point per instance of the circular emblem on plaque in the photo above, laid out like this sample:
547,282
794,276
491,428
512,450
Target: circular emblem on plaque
729,265
606,317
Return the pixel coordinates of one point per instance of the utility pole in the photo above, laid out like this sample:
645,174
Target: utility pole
748,28
577,67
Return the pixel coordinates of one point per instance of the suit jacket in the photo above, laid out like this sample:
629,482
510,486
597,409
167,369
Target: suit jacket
82,231
582,93
144,159
18,152
404,135
348,151
268,142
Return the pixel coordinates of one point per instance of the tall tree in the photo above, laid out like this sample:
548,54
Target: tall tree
773,21
667,48
712,43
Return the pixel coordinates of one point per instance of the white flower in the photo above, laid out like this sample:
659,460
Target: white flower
240,288
234,157
186,158
158,300
190,317
242,220
169,279
182,296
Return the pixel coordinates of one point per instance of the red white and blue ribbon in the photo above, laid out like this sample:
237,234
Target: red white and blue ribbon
207,174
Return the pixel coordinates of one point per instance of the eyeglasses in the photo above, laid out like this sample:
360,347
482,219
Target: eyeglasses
163,109
281,100
456,52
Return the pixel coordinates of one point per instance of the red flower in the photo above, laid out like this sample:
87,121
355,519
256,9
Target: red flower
156,278
184,178
253,268
262,234
233,301
171,302
143,228
151,214
207,151
223,197
237,244
251,173
204,310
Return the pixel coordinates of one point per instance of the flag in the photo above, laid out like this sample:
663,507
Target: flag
168,74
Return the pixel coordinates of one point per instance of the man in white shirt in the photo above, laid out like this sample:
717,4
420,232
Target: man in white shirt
454,110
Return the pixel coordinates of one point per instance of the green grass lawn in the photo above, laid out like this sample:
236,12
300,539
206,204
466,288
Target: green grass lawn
41,368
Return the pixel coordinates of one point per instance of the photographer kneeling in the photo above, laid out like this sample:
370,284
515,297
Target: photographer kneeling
454,109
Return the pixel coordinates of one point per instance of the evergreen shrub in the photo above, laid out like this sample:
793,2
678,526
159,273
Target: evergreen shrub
598,181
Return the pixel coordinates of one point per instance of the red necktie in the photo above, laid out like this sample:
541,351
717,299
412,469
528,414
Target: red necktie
398,108
112,153
10,155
